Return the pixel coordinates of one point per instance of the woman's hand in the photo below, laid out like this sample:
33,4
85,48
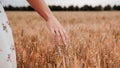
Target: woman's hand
53,24
58,32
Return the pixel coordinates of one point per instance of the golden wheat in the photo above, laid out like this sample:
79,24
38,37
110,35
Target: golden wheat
94,40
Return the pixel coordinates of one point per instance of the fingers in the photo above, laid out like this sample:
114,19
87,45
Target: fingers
63,36
59,36
66,35
66,39
53,35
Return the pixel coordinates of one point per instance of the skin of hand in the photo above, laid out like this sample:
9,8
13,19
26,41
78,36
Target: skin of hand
57,31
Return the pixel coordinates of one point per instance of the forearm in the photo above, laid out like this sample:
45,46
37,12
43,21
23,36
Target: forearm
41,7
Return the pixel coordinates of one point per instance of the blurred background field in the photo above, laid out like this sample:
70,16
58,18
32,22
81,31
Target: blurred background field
94,40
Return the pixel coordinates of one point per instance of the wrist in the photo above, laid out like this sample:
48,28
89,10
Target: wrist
51,17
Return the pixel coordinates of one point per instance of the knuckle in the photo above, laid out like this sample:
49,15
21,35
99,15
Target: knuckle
58,35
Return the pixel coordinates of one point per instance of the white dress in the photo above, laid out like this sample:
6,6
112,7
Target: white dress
7,49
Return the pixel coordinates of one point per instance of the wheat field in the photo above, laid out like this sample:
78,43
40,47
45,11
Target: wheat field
94,40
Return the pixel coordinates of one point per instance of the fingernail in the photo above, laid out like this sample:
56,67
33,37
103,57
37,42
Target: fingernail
65,43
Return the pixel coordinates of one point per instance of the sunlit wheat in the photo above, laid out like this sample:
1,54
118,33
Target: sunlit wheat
94,40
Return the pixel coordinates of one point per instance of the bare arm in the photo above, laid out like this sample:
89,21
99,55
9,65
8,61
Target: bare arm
41,7
53,24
